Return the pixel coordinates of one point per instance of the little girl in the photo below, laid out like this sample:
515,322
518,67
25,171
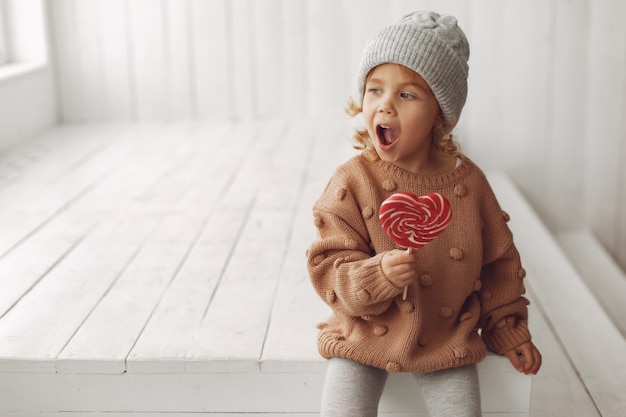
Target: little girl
464,288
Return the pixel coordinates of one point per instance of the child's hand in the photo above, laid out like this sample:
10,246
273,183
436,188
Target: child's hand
530,360
399,267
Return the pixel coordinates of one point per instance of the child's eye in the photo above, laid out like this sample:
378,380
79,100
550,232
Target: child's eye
374,90
407,96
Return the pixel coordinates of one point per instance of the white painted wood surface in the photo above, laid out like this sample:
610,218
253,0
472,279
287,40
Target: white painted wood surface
594,345
238,393
163,264
603,276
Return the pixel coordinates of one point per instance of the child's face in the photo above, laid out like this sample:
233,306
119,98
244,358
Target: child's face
400,111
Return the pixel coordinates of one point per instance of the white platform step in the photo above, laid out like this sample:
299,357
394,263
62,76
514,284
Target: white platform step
155,270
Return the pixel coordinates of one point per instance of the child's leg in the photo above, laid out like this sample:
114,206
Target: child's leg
451,392
352,389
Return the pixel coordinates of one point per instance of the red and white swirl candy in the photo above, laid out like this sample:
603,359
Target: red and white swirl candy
413,221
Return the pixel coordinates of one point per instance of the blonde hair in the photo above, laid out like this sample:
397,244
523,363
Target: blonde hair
443,140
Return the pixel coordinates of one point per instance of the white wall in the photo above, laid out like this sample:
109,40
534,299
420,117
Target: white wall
604,144
547,80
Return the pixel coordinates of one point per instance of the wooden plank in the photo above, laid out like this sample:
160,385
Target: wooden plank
295,71
87,273
34,331
178,46
327,40
594,345
253,165
34,202
117,91
142,393
149,62
231,336
290,344
557,389
41,160
604,119
330,147
566,140
267,27
525,50
232,333
371,19
482,114
175,414
42,182
287,163
235,197
196,284
142,414
291,339
91,79
603,276
41,196
44,194
618,248
77,35
243,53
66,57
200,274
191,393
212,40
23,267
106,337
185,195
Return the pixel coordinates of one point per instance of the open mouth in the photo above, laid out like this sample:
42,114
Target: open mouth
386,135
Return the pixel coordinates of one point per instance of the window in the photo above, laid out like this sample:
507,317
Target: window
23,46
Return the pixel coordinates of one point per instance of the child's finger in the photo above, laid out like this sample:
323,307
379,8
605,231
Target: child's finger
529,357
534,361
515,360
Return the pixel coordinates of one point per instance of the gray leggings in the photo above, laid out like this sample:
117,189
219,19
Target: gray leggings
352,389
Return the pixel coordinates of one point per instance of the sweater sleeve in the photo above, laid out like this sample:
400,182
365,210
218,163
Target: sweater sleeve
344,270
504,316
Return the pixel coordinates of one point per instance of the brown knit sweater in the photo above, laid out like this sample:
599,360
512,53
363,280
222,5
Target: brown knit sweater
470,280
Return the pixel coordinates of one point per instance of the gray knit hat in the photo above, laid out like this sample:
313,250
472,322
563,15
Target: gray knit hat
430,44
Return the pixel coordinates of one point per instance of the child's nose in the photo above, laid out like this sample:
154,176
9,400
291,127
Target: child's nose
386,106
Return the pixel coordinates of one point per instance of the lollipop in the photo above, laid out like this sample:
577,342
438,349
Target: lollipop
413,221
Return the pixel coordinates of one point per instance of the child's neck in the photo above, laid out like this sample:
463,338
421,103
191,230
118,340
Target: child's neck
434,164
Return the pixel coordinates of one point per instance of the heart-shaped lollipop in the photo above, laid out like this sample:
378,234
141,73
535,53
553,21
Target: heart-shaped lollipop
413,221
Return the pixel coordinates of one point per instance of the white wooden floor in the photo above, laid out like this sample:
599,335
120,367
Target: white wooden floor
173,254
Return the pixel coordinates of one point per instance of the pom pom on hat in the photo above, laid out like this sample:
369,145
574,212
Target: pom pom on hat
430,44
